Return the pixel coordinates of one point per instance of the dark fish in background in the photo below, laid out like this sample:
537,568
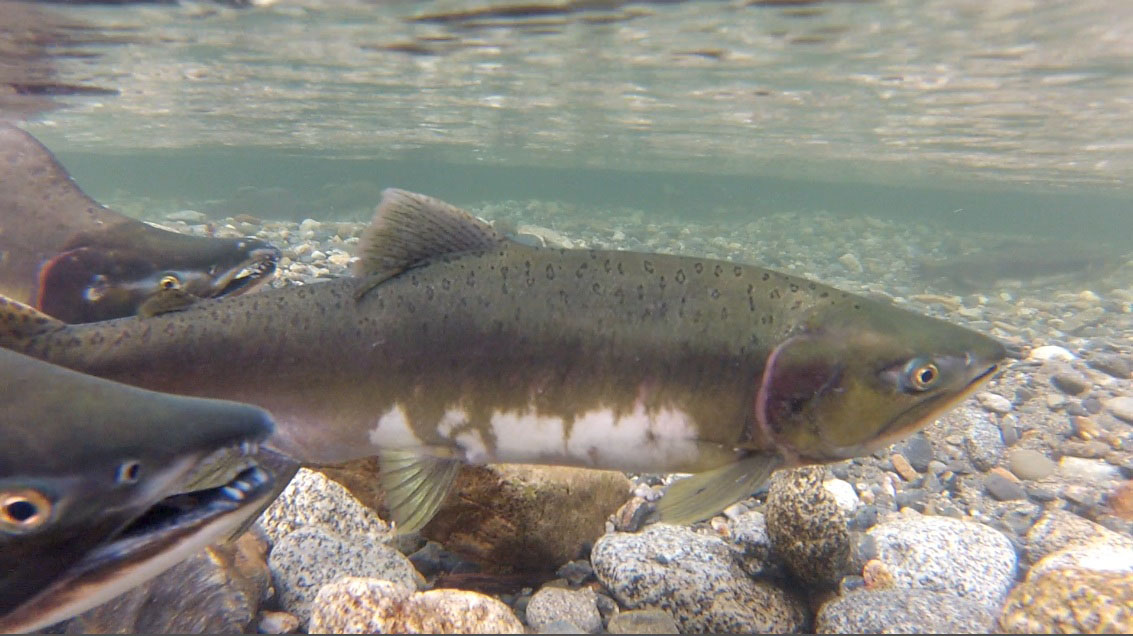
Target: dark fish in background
90,475
456,345
1015,264
78,261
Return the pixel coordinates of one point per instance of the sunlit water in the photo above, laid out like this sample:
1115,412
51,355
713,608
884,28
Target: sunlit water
966,110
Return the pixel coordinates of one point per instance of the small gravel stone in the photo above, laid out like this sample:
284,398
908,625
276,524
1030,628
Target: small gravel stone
994,402
273,622
555,604
1121,407
1002,488
903,468
851,263
188,216
984,444
1051,352
843,493
918,450
1070,383
642,621
1116,366
1030,464
1087,470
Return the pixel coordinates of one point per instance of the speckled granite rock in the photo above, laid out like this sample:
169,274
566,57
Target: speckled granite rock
314,555
1058,529
903,611
748,532
697,578
963,558
1103,554
1070,601
984,444
369,606
216,591
807,527
642,621
554,604
511,516
311,498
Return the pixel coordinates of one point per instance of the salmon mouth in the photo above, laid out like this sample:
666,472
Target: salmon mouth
256,271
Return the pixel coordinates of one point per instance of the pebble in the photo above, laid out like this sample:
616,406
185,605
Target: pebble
1030,464
311,498
1121,407
1058,529
1070,383
843,493
554,604
1120,500
1087,470
312,556
188,216
851,263
354,605
994,402
984,444
748,532
1051,352
903,467
1002,487
695,577
275,622
964,558
643,621
918,450
903,611
1115,366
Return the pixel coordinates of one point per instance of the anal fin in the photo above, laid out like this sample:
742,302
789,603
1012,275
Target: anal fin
705,494
415,485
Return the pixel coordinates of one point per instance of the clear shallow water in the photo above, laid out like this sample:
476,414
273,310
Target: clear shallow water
964,108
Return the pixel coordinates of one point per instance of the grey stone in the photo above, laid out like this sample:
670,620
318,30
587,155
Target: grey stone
1002,488
188,216
984,444
964,558
643,621
994,402
1121,407
1114,365
918,450
1030,464
903,611
314,555
1058,529
555,604
748,532
313,498
697,578
1070,382
1091,471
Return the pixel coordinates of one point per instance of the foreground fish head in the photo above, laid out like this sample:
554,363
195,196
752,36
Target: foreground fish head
862,374
89,480
102,279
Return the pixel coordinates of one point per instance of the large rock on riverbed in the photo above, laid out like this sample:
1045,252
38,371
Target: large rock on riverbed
510,516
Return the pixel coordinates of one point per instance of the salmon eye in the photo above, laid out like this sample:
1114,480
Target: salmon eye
23,510
169,281
128,472
921,374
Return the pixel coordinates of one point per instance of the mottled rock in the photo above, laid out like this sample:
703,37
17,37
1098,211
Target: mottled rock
554,604
353,605
1120,500
1058,529
1103,554
843,493
311,498
642,621
1030,464
903,611
1094,471
273,622
963,558
748,532
314,555
697,578
984,444
1069,601
807,527
1121,407
508,515
903,467
218,590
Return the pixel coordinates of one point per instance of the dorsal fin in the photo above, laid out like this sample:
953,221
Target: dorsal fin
19,322
409,228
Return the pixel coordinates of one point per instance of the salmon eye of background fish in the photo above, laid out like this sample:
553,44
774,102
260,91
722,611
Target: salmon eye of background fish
128,472
169,281
23,510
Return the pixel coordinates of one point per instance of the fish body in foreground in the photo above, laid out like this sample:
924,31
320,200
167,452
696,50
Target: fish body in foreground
454,345
79,261
86,466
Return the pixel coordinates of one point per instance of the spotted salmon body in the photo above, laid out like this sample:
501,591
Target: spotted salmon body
455,345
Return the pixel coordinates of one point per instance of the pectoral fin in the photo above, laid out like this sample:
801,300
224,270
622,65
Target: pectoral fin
415,485
705,494
166,301
19,322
